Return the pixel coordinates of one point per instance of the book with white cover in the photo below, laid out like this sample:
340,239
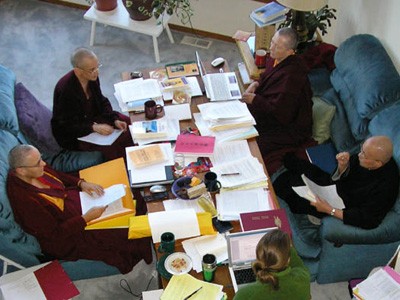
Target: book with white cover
149,129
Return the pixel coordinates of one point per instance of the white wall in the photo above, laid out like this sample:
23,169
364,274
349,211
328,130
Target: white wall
380,18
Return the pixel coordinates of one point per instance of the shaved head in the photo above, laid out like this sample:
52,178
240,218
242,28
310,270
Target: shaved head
380,148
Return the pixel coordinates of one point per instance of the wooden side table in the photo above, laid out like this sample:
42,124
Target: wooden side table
119,18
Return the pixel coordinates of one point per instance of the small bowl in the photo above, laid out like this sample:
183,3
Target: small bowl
179,184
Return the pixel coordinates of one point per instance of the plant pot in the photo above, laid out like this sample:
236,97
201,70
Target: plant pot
106,5
139,10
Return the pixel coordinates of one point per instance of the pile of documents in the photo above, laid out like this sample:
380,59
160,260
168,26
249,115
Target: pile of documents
154,173
132,94
147,132
226,121
270,13
242,177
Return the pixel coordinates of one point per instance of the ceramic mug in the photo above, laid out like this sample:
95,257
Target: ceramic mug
151,109
211,182
167,243
261,58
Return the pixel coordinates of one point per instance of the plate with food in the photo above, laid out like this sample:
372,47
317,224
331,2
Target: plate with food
178,263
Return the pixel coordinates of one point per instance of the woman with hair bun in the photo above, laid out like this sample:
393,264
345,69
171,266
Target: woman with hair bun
280,272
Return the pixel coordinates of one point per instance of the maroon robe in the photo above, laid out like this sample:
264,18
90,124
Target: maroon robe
74,116
62,234
282,108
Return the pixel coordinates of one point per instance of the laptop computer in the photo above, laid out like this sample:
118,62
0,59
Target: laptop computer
219,86
241,255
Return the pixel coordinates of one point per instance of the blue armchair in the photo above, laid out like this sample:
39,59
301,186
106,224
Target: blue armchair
365,90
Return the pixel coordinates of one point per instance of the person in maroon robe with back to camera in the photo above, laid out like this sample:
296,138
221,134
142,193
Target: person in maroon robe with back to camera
281,101
79,108
46,204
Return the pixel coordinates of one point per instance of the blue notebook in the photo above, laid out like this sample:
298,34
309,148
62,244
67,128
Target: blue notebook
324,156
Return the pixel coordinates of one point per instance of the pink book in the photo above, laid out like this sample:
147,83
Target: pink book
195,145
265,219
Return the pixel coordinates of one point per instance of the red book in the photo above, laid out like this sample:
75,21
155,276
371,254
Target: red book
265,219
195,145
55,283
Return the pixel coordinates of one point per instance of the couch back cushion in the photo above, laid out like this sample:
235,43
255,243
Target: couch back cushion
365,79
8,115
34,121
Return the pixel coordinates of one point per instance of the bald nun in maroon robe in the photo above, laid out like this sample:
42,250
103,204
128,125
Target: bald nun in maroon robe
281,102
53,215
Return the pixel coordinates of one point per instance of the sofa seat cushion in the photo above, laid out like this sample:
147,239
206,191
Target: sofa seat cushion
34,120
8,115
368,73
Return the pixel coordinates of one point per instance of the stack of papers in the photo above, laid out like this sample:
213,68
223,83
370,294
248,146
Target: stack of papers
181,286
236,168
226,121
197,247
149,175
147,132
132,94
226,115
193,89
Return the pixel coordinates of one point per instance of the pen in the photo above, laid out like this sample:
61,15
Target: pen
189,296
230,174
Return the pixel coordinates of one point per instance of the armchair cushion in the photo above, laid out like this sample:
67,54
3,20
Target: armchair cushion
8,115
34,119
322,117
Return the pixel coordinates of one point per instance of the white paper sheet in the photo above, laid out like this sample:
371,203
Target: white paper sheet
328,193
197,247
230,151
247,170
152,295
178,111
112,193
99,139
138,89
178,204
231,204
182,223
26,287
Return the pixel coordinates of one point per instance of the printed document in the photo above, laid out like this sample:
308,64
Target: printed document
138,89
182,223
100,139
231,204
311,189
230,151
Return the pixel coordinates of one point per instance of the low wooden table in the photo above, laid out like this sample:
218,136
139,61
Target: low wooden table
222,275
119,17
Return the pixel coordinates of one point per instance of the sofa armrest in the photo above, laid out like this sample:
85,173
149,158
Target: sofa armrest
334,231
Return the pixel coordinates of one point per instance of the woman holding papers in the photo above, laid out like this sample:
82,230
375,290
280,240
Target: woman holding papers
80,108
280,272
367,182
281,102
47,205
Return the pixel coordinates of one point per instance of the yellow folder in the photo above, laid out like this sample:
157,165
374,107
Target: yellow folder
108,174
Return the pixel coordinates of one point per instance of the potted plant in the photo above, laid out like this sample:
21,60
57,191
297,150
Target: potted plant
104,5
320,19
148,8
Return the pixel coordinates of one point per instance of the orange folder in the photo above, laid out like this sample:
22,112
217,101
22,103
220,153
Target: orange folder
108,174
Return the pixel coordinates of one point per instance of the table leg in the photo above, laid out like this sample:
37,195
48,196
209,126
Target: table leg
156,53
92,33
171,38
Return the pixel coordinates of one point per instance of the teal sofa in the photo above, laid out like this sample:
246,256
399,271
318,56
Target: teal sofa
365,90
16,245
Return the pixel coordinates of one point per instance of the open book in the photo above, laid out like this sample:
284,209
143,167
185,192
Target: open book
112,198
311,190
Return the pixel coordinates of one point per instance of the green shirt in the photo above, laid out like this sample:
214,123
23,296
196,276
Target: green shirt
294,284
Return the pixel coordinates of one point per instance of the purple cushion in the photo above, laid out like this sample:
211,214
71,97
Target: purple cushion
34,121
